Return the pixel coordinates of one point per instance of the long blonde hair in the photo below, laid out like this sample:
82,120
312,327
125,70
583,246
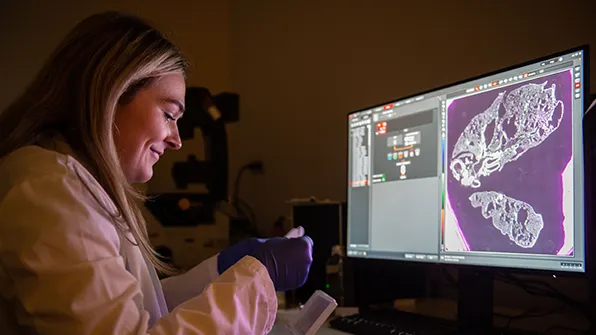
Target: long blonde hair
101,63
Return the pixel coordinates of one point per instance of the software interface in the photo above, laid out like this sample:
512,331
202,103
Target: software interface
487,172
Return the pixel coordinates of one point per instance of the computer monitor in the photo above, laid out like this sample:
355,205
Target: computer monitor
486,173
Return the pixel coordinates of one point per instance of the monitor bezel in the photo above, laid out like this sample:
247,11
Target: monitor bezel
588,229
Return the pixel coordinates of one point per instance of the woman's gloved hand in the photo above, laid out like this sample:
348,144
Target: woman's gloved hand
233,254
287,260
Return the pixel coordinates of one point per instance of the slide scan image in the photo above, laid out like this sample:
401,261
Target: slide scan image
509,169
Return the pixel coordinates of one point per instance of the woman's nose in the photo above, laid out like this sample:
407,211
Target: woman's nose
174,142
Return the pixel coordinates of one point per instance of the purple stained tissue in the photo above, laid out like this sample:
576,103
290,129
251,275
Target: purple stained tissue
509,154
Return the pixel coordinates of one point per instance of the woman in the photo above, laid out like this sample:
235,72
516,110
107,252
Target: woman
74,252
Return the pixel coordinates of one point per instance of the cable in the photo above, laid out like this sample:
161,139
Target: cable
536,288
541,288
451,281
244,209
567,329
529,314
510,318
236,190
526,315
241,207
254,166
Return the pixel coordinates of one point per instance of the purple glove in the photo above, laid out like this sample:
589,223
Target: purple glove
287,260
233,254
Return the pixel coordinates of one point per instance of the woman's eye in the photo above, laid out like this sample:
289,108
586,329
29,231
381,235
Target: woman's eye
168,117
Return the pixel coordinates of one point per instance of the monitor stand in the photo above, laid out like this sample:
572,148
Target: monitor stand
475,301
475,307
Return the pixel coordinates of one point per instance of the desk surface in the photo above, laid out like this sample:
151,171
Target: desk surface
447,309
284,315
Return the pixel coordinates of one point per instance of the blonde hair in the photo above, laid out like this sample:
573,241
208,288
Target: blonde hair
101,63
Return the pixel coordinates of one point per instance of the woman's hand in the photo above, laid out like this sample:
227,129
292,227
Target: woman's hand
287,260
233,254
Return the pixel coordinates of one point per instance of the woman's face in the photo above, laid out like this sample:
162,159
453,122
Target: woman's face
146,126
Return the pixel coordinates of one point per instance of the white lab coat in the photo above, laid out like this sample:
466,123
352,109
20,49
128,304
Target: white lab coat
64,269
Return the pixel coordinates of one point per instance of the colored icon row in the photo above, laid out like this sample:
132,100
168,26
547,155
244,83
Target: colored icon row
403,154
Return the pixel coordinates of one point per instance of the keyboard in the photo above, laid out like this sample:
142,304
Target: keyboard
392,323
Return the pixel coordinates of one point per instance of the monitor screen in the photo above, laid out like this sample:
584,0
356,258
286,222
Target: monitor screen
486,172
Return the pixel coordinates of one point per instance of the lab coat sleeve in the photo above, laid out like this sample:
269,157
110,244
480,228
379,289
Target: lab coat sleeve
61,250
178,289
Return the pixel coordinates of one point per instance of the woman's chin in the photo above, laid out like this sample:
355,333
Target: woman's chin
142,177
